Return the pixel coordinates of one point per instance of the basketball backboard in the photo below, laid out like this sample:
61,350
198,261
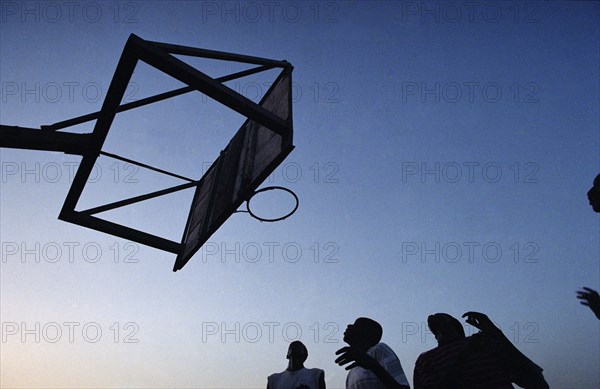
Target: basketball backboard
259,146
251,156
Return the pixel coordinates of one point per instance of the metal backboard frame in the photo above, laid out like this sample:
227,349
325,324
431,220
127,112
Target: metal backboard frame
160,56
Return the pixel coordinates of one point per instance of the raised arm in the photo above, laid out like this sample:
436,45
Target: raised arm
526,373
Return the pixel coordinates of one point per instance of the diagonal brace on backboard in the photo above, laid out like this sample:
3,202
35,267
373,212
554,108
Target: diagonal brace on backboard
263,130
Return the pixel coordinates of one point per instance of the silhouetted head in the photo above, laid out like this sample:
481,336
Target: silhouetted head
445,328
594,194
363,334
296,354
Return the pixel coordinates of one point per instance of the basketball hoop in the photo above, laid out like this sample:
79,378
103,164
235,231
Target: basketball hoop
260,144
270,220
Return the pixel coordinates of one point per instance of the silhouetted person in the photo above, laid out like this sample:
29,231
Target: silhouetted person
589,296
296,376
486,360
590,299
594,194
375,365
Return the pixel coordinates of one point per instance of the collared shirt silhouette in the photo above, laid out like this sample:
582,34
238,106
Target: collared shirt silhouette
296,376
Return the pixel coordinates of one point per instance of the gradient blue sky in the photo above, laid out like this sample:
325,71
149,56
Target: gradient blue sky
468,197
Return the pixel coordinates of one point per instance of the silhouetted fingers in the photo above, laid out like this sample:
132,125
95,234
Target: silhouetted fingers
344,359
352,366
480,321
339,360
474,314
472,318
342,350
590,290
346,356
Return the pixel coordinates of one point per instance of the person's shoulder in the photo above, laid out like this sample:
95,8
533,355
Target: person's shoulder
381,346
445,351
427,353
441,349
482,338
382,352
315,370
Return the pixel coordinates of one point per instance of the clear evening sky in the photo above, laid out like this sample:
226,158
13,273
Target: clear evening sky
443,153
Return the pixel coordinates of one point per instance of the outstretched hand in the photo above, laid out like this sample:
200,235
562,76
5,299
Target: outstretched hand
481,322
590,298
357,357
